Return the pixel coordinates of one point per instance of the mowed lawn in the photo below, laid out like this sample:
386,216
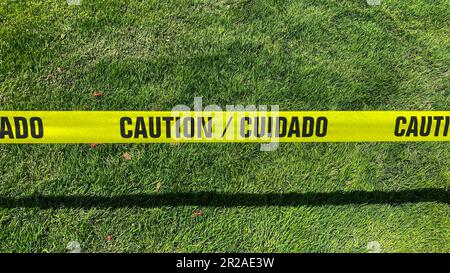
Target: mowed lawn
153,55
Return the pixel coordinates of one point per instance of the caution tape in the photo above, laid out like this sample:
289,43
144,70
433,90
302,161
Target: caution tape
222,126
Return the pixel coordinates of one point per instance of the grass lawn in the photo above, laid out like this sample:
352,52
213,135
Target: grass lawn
153,55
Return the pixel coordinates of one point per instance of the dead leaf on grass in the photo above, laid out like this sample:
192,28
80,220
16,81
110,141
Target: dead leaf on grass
126,156
97,94
197,213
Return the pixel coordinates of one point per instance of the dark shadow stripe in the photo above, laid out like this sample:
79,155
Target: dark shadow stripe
215,199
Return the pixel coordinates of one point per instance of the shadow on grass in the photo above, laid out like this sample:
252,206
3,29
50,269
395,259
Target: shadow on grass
214,199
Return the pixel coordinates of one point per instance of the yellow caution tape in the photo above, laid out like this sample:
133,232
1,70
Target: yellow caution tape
221,126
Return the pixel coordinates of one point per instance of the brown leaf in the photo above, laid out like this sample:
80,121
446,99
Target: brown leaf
197,213
126,156
97,94
158,186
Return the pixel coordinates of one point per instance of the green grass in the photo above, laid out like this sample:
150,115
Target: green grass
153,55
